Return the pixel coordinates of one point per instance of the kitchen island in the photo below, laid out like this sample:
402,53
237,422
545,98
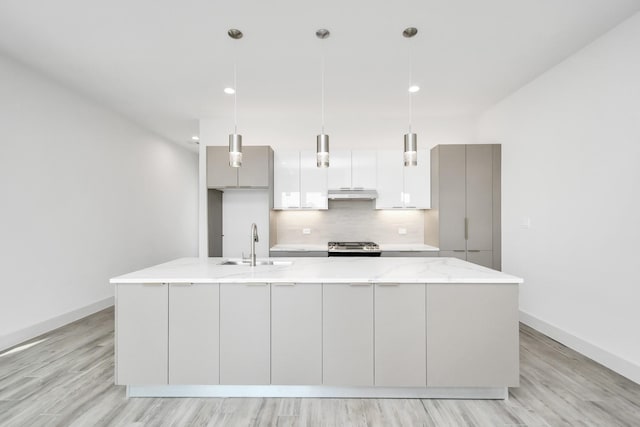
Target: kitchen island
318,327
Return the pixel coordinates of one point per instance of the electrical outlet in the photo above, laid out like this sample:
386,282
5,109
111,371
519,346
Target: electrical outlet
402,230
306,231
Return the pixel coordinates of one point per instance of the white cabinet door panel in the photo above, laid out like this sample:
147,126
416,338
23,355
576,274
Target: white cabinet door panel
296,334
194,331
245,334
417,182
363,169
348,334
389,179
313,182
339,172
286,179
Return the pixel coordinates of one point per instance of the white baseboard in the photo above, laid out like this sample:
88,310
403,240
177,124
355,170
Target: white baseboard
615,363
25,334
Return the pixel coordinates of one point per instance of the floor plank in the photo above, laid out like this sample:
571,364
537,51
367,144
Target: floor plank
65,378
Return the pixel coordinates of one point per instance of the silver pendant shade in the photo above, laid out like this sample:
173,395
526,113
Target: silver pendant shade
235,139
322,140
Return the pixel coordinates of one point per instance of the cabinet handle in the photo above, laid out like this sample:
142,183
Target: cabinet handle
396,207
182,284
458,250
358,188
153,284
345,188
360,284
411,207
292,207
466,229
473,250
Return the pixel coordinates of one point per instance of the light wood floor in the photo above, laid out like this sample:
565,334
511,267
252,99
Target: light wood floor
66,379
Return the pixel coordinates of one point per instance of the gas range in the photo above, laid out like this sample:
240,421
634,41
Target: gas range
353,249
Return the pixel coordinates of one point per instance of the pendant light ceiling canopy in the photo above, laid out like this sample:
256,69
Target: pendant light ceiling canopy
410,139
322,140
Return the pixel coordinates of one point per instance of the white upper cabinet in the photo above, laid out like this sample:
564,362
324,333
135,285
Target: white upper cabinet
417,183
401,187
363,169
313,182
298,182
339,170
286,179
352,169
390,179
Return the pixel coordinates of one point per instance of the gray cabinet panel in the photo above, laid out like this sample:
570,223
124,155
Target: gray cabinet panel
452,193
347,334
296,334
194,329
219,173
400,335
472,335
255,167
460,254
484,258
409,254
480,197
245,334
289,254
142,324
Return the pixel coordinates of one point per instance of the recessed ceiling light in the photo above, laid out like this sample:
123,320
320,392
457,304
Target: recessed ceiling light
414,88
195,138
229,90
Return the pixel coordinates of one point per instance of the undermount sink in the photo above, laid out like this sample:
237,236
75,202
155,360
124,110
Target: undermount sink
247,263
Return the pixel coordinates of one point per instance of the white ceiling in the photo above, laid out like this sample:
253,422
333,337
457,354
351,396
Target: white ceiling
165,63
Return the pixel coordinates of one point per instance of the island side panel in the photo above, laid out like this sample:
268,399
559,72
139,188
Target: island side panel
142,334
472,335
400,335
194,329
347,334
296,334
245,333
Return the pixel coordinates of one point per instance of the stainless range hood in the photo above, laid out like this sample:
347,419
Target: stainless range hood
352,194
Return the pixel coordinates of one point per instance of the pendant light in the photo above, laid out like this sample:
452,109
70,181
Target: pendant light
322,140
410,139
235,139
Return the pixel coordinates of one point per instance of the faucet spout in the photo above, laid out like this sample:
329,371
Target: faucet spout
254,239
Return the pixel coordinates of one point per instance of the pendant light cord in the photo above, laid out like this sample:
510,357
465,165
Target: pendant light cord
235,96
322,67
408,89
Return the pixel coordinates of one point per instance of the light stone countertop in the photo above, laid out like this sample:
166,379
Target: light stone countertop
321,270
408,247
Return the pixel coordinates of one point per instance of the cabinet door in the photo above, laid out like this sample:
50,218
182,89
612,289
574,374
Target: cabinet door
484,258
244,334
460,254
313,182
286,179
339,172
347,334
400,335
255,168
472,335
141,334
390,179
219,173
194,331
417,183
452,193
480,197
296,334
363,169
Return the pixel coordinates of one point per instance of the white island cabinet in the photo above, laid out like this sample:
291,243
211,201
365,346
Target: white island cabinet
318,327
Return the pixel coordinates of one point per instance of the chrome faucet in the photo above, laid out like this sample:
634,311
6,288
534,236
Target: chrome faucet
254,239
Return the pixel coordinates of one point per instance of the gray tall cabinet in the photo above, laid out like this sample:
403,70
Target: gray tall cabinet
464,221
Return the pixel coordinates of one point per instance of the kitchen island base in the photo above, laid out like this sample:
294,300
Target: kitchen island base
495,393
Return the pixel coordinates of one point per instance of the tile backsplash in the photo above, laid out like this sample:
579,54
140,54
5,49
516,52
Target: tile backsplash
350,221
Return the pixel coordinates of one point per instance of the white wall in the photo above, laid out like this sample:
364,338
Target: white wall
85,195
571,163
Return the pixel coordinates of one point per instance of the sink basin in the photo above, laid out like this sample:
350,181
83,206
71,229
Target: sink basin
247,263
